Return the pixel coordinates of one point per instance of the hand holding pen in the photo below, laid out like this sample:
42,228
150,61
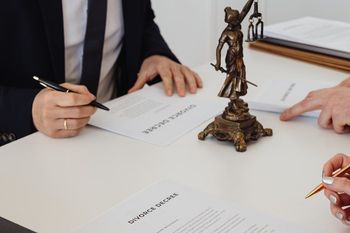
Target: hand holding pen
336,182
56,87
59,114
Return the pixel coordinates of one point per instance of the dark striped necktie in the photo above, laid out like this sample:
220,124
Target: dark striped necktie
93,44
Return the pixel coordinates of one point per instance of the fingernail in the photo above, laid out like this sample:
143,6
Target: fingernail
333,199
328,180
339,215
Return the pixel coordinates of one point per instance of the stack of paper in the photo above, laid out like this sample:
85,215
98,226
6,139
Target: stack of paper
171,208
151,116
278,95
320,41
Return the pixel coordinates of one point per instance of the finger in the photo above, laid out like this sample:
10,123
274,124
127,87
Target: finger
338,212
346,216
346,175
344,200
66,133
338,199
179,80
340,122
336,162
333,197
198,79
166,77
346,128
344,83
71,124
73,112
70,99
325,118
342,214
337,184
59,133
142,79
190,79
81,89
306,105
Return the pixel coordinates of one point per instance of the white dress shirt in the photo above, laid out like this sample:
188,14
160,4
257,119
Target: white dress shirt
75,20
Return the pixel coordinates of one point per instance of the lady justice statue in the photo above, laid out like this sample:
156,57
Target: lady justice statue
235,123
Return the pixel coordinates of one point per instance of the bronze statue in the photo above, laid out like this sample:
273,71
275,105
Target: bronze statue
236,124
235,84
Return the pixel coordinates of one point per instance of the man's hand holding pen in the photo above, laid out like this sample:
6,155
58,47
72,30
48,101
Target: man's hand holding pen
60,115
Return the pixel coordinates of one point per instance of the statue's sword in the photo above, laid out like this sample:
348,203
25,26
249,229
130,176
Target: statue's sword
243,80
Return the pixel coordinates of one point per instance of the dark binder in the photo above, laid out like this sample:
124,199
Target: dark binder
10,227
306,47
322,56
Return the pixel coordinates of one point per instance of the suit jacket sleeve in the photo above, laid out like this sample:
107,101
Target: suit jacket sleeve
153,42
16,110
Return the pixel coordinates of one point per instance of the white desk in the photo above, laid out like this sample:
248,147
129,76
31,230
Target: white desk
53,185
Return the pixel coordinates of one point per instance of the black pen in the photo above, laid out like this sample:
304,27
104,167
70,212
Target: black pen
56,87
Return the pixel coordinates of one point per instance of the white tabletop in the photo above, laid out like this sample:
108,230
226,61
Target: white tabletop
53,185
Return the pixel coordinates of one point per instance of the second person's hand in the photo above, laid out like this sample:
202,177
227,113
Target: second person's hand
337,189
333,103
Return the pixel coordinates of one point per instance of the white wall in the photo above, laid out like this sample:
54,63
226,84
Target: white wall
186,26
192,27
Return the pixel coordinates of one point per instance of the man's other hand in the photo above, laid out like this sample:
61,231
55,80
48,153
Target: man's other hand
171,73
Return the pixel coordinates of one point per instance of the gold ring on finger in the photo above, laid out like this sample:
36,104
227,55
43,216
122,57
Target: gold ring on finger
65,125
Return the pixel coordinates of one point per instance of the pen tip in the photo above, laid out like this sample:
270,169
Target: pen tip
35,78
309,195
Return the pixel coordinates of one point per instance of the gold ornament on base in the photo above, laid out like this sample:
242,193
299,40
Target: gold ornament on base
236,124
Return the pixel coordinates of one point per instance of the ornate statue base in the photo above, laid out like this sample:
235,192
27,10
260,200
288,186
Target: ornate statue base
236,125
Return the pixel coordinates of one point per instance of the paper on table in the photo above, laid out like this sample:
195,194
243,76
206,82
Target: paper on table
313,31
150,116
170,208
278,95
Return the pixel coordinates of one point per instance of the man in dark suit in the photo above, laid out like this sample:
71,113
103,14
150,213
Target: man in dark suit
60,41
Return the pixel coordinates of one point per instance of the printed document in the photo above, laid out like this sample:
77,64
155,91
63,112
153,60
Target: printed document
278,95
171,208
151,116
322,33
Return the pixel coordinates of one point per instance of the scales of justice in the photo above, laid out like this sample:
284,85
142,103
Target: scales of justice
236,124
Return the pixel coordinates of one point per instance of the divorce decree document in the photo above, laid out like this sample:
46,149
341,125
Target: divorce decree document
151,116
167,207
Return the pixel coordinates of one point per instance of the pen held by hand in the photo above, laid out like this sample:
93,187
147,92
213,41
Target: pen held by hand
321,186
57,87
98,105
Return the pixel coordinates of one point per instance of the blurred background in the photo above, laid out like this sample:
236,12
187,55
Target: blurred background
192,27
